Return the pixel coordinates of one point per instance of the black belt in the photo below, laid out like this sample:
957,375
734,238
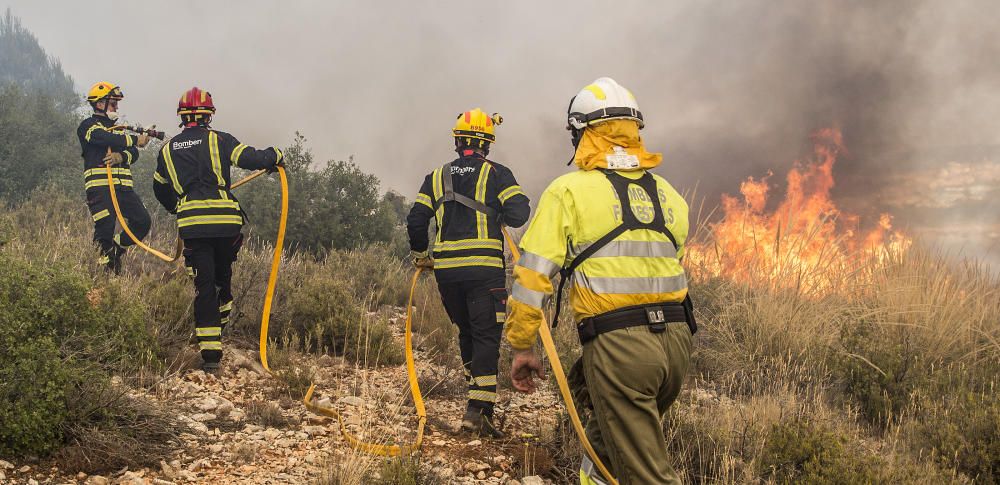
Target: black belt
655,316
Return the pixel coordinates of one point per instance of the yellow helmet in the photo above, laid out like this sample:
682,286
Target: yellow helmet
103,90
475,128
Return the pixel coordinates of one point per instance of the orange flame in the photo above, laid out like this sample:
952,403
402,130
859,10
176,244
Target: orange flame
806,243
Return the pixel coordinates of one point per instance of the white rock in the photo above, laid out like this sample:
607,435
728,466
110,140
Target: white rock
32,481
157,481
207,405
438,442
167,470
474,443
351,401
481,476
224,408
6,465
97,480
215,448
532,480
202,417
24,469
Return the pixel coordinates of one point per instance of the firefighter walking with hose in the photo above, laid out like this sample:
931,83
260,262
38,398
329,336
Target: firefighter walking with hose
103,144
469,198
192,180
616,232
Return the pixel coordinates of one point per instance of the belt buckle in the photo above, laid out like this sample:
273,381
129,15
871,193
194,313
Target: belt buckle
656,319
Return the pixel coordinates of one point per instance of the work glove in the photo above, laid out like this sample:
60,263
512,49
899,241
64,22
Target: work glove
114,158
142,141
422,259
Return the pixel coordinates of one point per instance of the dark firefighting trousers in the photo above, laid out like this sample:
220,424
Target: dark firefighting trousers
103,212
479,309
210,262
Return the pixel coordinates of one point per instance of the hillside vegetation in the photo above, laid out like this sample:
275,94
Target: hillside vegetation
889,379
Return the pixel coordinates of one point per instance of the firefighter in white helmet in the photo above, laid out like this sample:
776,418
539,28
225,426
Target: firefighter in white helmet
617,233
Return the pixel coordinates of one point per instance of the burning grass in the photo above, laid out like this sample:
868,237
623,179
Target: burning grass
832,354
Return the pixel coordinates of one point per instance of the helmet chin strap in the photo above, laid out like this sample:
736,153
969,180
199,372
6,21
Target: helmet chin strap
575,135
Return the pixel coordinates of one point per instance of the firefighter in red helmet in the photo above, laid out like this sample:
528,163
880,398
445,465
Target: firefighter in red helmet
192,180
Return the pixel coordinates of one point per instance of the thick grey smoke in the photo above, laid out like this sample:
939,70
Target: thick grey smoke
729,89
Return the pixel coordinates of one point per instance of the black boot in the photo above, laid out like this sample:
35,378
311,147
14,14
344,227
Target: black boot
212,368
479,424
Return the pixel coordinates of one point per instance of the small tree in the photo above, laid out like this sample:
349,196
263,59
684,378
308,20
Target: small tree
334,207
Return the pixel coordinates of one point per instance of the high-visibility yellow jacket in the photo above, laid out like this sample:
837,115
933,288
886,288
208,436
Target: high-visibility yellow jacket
577,209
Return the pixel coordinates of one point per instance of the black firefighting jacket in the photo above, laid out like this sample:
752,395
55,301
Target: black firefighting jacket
96,136
192,180
469,244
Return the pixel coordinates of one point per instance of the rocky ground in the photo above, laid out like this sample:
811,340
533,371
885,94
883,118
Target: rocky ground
243,427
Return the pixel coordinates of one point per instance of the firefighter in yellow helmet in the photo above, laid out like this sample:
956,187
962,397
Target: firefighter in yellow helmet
104,145
616,232
469,198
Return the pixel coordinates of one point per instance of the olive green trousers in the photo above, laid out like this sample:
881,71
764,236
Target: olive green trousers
630,377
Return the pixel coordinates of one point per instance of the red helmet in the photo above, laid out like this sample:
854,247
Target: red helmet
195,102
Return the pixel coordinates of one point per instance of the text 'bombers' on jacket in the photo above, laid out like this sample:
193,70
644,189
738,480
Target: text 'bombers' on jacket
192,179
469,243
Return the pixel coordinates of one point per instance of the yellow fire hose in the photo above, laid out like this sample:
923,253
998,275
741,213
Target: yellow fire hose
557,370
418,400
121,221
272,278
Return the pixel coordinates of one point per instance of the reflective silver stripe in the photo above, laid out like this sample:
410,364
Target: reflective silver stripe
468,244
103,172
168,160
524,295
510,192
235,156
590,472
425,200
484,381
539,264
639,249
213,152
483,396
91,130
631,286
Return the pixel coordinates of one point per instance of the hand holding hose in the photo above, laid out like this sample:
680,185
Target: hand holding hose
523,370
142,140
422,259
113,158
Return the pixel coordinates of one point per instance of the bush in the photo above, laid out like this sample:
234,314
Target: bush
957,421
880,369
57,336
800,451
327,316
333,206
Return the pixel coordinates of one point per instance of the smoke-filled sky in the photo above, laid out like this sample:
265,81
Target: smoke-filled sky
728,89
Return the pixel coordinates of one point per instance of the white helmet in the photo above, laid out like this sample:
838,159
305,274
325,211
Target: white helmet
602,100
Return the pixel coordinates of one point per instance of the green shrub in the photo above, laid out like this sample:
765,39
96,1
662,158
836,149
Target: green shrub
327,315
800,451
957,421
58,335
880,369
